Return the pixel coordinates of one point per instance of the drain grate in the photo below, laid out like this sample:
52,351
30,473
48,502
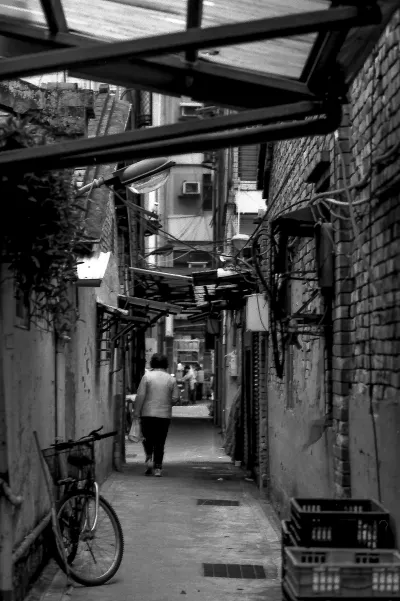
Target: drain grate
236,570
218,502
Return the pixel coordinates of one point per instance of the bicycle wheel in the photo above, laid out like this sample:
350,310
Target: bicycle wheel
93,557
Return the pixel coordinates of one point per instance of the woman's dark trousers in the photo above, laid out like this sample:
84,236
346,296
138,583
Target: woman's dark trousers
155,430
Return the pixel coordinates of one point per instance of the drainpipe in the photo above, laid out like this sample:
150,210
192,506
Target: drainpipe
59,386
6,509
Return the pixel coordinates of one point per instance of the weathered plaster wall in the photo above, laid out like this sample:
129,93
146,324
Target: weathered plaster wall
93,384
80,396
293,470
29,374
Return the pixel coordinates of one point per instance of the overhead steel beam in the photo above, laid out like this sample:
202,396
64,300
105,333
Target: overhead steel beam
180,145
320,65
55,17
204,81
194,14
192,39
215,141
148,304
51,156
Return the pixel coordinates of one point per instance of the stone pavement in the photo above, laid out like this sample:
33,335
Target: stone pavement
168,536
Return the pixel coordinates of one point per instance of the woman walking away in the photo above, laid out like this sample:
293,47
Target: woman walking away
156,394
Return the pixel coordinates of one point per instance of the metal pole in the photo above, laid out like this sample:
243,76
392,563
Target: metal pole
6,508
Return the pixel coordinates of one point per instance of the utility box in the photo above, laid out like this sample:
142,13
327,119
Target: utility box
257,313
233,364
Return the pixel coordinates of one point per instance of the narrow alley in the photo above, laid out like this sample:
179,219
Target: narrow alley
201,219
170,532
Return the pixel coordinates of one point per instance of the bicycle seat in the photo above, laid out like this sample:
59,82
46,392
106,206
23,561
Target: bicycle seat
77,461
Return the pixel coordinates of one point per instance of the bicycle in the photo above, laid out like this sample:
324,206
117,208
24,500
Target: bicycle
92,542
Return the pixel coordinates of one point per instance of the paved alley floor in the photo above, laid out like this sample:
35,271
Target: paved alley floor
169,536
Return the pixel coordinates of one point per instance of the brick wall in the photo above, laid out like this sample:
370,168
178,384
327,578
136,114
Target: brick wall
111,116
374,409
301,396
356,456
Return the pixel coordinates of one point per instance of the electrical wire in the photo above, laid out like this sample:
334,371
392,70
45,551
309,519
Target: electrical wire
356,230
332,212
346,204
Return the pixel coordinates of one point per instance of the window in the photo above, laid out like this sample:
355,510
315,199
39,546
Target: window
22,309
207,192
190,188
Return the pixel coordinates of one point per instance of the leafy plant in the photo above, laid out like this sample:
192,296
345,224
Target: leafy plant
41,228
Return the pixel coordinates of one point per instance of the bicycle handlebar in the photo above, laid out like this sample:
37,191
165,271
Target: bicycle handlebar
91,437
107,435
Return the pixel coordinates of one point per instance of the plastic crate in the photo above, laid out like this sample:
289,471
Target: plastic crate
287,540
350,573
348,523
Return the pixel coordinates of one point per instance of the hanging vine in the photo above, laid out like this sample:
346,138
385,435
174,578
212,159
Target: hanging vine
41,229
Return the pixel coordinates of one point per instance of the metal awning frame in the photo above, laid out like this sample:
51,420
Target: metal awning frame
149,305
144,142
156,284
128,328
114,315
61,50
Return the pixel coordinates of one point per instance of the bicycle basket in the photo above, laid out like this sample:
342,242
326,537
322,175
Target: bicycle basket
75,462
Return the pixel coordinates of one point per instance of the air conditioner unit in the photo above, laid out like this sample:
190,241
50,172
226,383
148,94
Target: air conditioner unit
191,188
189,110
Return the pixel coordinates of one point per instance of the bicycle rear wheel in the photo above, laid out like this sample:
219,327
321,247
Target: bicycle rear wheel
93,557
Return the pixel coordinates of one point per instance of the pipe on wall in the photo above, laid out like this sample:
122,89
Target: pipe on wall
30,538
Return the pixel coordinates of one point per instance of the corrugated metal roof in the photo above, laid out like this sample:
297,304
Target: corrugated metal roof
114,20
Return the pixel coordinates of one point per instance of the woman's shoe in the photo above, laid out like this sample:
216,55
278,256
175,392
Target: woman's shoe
149,469
158,472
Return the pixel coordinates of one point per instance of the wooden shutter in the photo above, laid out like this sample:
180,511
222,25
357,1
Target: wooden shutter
256,369
248,163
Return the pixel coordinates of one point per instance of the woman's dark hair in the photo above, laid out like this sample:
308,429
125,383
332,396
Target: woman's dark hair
159,361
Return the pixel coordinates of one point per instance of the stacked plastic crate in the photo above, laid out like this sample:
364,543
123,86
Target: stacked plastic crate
339,549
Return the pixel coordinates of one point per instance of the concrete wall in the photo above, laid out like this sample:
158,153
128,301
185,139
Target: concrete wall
94,385
29,377
55,388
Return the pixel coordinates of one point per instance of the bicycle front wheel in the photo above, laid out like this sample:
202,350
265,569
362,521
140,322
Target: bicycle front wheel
93,556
